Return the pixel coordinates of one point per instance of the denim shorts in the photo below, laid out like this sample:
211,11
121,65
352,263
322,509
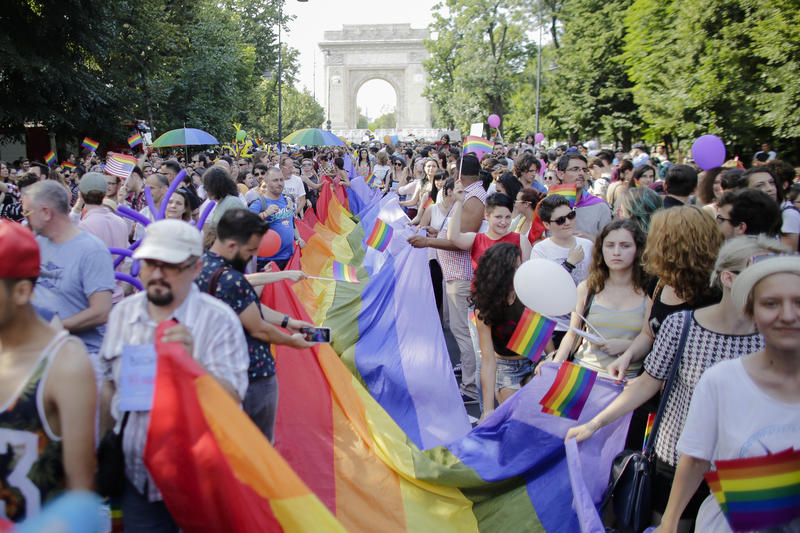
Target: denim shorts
512,372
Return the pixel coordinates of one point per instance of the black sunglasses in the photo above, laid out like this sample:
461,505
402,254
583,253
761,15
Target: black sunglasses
560,220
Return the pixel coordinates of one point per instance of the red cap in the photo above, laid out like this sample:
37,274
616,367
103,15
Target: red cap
19,252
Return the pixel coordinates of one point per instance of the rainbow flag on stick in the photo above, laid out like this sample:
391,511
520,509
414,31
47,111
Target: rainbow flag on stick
50,158
342,272
567,190
380,237
569,392
67,164
651,418
531,335
478,145
370,180
90,144
758,493
135,140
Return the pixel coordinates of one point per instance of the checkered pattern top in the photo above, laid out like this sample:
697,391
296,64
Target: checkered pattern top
458,265
704,348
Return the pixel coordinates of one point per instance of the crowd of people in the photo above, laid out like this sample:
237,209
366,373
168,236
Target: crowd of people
652,245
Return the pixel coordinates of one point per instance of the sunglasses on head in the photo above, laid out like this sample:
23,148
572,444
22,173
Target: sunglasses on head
562,219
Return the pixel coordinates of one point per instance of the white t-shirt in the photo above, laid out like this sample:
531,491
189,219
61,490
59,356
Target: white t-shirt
294,187
791,218
730,417
380,172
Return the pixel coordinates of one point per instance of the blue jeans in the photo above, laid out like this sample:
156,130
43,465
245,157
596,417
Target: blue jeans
140,515
261,404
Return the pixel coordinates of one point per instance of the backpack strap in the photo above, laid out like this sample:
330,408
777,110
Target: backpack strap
212,283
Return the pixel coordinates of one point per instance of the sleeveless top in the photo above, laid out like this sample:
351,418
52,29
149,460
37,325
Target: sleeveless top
483,242
502,333
613,324
31,468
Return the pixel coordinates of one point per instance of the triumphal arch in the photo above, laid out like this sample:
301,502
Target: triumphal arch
390,52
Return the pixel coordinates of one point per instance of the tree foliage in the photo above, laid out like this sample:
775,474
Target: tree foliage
87,67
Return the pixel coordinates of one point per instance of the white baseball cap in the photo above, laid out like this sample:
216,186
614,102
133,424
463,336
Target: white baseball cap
171,241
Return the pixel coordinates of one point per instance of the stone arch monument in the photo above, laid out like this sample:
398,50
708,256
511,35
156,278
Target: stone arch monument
390,52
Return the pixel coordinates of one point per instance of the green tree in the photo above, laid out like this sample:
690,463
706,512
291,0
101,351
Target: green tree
592,91
363,120
478,50
386,121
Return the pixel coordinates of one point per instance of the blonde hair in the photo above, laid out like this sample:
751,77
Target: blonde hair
735,253
682,246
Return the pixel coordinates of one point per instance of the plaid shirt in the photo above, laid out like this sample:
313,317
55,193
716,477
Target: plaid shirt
219,346
458,265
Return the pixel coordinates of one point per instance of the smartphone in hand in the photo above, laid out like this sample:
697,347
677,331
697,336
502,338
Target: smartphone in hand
317,334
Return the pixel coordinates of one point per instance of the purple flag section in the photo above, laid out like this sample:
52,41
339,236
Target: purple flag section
349,167
588,518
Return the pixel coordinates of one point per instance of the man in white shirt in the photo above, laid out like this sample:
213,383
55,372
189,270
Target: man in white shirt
293,186
207,328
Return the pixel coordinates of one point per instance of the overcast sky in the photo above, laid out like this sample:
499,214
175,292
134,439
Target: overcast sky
314,17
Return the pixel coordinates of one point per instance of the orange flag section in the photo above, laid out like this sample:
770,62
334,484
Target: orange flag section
214,468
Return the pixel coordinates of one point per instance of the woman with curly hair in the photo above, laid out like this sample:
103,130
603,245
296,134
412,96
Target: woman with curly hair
682,246
497,312
612,298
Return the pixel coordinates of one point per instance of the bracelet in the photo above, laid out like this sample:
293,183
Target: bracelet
285,321
569,266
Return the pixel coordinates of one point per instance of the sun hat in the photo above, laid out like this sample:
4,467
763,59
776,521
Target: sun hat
760,268
171,241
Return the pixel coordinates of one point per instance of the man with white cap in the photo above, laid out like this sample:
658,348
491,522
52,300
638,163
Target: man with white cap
170,255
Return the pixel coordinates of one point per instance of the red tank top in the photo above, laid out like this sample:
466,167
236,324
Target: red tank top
483,243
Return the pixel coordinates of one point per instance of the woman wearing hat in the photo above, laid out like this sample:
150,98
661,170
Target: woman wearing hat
747,407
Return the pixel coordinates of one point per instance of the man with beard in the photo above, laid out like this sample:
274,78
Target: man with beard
239,233
207,329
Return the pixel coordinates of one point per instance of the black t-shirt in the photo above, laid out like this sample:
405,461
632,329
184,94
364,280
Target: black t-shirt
503,332
660,311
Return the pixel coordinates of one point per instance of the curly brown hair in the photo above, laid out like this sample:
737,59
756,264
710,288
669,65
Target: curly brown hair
598,271
682,246
494,281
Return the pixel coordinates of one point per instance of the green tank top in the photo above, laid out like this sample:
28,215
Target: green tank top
31,469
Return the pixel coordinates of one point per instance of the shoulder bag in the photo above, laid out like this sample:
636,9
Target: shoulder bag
632,471
109,479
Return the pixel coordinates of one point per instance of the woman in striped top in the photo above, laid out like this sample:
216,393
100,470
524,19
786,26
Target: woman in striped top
614,293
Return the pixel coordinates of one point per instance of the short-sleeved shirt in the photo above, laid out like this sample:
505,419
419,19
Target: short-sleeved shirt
660,311
70,273
294,187
704,348
112,231
590,219
234,289
282,222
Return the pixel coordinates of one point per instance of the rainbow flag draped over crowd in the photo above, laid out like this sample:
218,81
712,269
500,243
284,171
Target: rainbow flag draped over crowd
373,424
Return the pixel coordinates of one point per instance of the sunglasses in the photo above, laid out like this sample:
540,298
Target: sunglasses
562,219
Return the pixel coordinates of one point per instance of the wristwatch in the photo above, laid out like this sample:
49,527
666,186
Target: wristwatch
285,321
569,266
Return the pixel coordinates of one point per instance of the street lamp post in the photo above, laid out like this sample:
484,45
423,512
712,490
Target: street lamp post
539,69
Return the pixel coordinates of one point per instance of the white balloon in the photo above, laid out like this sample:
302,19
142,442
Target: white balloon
546,287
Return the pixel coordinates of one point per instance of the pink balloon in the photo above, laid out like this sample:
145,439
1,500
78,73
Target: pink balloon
539,137
494,121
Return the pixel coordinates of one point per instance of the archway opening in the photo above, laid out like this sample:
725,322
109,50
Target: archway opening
376,103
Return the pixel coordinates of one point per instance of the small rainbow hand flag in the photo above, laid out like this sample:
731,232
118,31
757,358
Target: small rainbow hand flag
758,493
342,272
567,190
371,179
569,392
651,418
67,164
531,335
135,140
428,203
478,145
50,158
90,144
380,236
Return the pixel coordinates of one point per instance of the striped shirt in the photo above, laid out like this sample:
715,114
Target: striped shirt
458,265
219,346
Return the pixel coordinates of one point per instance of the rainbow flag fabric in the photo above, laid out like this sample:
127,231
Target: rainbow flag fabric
651,418
67,164
531,335
50,158
567,190
342,272
371,179
428,203
219,473
758,493
568,395
135,140
477,145
120,165
380,236
89,144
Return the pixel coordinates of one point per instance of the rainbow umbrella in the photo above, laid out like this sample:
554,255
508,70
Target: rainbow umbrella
313,137
184,137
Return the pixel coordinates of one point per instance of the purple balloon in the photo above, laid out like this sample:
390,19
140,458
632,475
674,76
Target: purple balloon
172,186
127,278
708,152
494,121
121,252
204,215
135,267
542,167
148,196
539,137
127,212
